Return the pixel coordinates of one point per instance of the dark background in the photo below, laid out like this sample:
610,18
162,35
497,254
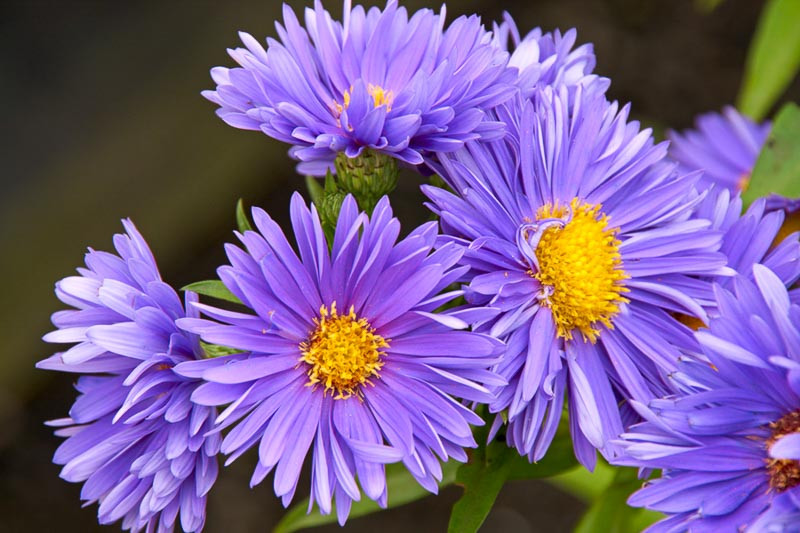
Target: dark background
102,119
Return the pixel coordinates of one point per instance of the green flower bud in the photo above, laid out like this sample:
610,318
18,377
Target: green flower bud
367,177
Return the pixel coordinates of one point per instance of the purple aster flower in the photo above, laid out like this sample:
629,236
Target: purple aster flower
546,58
380,80
724,146
133,436
728,440
583,242
791,224
759,236
348,361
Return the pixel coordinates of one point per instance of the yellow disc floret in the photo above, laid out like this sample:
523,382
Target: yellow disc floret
581,268
784,474
380,96
343,352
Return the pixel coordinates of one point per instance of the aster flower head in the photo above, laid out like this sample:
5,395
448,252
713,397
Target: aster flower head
728,439
757,236
546,58
133,436
347,359
724,146
396,83
790,207
582,240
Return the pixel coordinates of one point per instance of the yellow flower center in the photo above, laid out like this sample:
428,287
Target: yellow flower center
790,225
689,321
380,96
581,269
784,474
343,352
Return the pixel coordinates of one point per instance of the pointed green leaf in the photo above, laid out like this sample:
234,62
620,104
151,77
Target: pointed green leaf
482,478
241,217
778,167
402,488
213,288
330,183
491,466
773,59
315,190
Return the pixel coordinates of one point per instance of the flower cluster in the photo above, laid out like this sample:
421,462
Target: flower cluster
346,358
724,146
379,80
143,450
728,439
575,266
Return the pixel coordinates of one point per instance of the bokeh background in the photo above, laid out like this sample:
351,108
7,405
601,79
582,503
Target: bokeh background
102,119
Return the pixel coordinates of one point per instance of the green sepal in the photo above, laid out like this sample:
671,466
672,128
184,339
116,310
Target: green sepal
329,207
315,190
437,181
242,222
217,350
212,288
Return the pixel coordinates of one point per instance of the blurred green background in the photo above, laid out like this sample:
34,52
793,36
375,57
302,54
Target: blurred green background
103,119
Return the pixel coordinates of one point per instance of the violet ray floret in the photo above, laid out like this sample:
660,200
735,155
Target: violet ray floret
348,361
133,437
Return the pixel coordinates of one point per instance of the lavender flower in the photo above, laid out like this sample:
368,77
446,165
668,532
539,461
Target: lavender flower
724,146
790,207
728,440
134,437
348,361
546,58
381,80
758,236
583,242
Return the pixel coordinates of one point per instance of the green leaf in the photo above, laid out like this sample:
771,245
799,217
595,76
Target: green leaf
773,59
778,167
401,486
217,350
491,466
482,478
315,190
610,512
241,217
588,486
213,288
